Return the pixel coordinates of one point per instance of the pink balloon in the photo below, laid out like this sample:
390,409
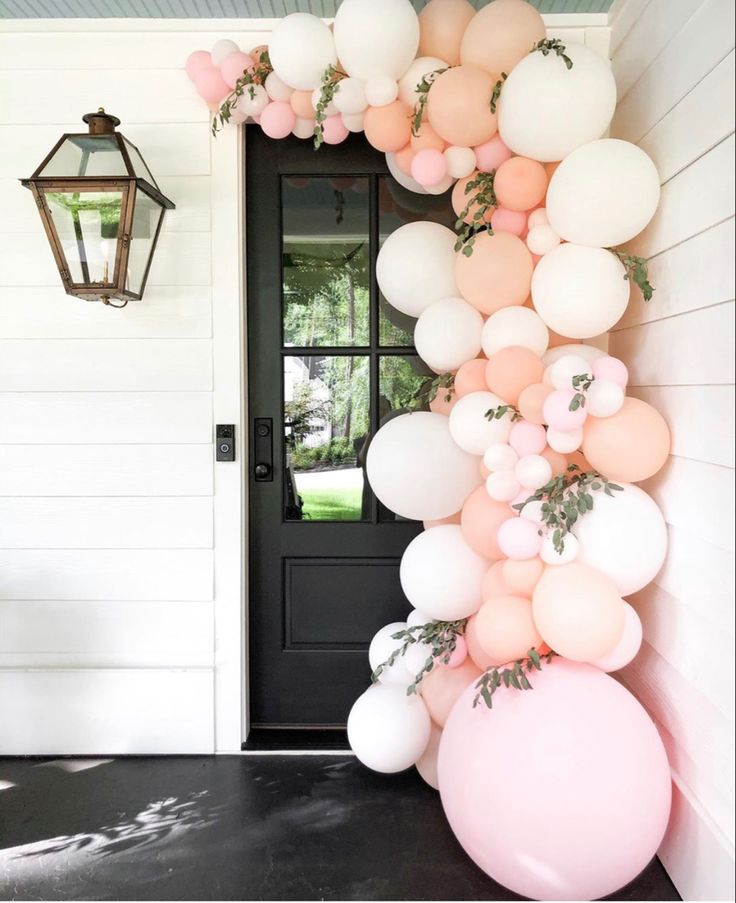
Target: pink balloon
234,65
333,130
277,119
627,647
611,368
197,61
599,772
429,167
459,653
557,413
492,154
210,85
519,539
527,438
513,221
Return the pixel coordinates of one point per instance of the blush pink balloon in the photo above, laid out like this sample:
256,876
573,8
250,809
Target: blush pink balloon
519,539
471,377
527,438
429,167
513,221
197,61
459,653
334,130
278,119
598,751
492,154
234,65
557,413
210,85
611,368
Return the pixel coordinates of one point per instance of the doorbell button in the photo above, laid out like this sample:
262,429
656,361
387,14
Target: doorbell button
225,442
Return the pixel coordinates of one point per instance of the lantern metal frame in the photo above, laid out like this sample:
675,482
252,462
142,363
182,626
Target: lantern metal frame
129,186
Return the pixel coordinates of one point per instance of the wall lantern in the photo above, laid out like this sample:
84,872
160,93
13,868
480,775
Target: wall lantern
102,211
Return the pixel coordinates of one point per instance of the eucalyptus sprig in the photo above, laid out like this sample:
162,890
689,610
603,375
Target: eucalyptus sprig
581,383
515,676
247,82
553,45
422,90
637,271
430,389
440,635
495,96
482,200
501,411
566,498
329,86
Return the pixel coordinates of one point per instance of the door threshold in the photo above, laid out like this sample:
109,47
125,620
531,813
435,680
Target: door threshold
268,739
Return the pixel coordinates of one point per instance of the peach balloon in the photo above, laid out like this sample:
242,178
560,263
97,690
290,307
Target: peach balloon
522,576
511,370
494,583
480,519
484,471
630,446
458,106
301,104
531,401
475,651
520,183
440,405
404,158
442,24
471,377
578,458
497,274
388,128
443,686
452,519
513,221
557,461
578,611
491,154
501,34
460,198
505,628
427,139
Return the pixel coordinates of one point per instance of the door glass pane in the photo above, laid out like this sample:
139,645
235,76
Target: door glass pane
326,426
326,261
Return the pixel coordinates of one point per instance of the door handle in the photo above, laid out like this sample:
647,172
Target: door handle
263,449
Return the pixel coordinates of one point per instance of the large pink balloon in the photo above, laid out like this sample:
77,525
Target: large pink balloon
576,812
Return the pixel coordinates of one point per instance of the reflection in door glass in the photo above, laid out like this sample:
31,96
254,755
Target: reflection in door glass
326,260
326,426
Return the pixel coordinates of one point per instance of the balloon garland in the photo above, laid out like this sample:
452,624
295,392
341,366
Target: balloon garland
524,467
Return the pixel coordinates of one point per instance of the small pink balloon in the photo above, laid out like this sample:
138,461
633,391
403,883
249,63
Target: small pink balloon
234,65
611,368
625,650
210,85
459,653
429,167
196,62
278,119
492,154
527,438
557,414
519,539
334,130
513,221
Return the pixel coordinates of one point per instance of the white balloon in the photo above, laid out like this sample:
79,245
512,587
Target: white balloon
604,398
417,618
441,187
533,511
381,90
460,161
381,647
303,128
503,486
542,239
514,326
222,48
387,730
277,89
403,178
415,659
533,472
376,37
547,110
350,96
427,764
564,441
550,555
301,48
603,194
253,105
416,266
562,371
625,650
537,217
447,334
500,456
409,81
624,536
440,572
353,122
469,426
580,292
588,352
417,470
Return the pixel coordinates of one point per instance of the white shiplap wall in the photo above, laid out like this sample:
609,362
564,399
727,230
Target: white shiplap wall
674,66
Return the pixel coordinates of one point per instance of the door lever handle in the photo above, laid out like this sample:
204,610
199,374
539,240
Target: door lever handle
263,449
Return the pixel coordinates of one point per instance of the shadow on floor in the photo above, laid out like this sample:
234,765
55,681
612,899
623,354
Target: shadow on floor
236,828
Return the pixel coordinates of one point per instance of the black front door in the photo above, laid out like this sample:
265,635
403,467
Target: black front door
328,362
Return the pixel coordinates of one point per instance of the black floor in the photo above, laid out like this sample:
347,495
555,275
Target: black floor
236,828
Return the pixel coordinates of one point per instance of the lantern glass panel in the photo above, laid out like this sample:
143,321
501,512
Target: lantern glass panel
146,218
139,164
86,155
87,224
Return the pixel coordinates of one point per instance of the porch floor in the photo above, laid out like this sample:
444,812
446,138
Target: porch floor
235,828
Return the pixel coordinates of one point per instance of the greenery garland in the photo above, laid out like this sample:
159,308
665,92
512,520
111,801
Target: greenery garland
247,82
515,676
440,635
482,201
